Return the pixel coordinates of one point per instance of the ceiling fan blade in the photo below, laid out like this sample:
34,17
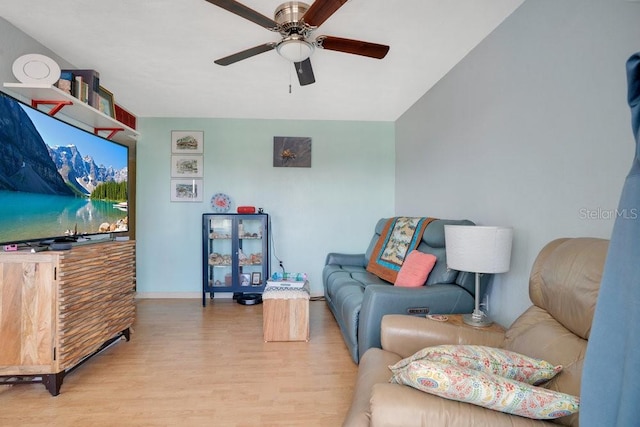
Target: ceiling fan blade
356,47
304,72
321,10
246,13
239,56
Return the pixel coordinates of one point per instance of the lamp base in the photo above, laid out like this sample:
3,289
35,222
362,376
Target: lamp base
479,320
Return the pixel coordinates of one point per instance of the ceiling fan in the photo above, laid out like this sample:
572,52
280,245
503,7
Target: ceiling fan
296,21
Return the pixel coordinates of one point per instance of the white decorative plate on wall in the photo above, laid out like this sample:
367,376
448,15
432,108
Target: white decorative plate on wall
36,68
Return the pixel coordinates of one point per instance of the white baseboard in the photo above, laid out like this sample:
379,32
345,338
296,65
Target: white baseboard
190,295
179,295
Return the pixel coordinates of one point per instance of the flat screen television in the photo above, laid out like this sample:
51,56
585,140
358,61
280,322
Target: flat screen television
57,181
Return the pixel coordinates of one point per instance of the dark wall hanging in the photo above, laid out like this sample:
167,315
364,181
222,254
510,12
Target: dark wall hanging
291,151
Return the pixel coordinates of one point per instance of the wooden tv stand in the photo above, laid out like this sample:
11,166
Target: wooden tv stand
58,308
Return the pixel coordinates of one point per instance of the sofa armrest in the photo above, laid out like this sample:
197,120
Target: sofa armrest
405,335
372,370
358,260
379,300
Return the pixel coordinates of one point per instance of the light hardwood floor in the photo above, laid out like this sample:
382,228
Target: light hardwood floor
195,366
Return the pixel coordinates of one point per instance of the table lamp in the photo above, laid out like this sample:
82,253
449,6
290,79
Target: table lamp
478,249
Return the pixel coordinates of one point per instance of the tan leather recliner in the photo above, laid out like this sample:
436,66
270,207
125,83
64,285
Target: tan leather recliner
563,287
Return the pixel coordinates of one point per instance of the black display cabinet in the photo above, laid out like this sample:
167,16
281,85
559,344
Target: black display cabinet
235,254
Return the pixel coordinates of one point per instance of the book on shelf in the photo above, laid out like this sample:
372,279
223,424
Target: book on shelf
80,89
125,117
92,79
65,83
77,87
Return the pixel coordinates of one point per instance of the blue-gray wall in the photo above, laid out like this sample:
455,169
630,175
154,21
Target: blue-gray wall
530,130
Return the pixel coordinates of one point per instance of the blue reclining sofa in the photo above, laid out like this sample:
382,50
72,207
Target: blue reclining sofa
358,299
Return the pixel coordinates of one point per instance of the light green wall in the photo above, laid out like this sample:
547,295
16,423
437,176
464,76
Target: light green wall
331,206
530,130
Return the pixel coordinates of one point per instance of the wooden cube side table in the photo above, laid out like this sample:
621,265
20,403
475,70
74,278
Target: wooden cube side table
285,315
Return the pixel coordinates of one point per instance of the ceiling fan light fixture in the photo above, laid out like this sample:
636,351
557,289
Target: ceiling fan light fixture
294,49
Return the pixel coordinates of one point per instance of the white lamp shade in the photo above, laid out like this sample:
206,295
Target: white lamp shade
478,249
294,49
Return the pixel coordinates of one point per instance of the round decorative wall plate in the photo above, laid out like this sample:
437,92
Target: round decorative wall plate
221,203
36,68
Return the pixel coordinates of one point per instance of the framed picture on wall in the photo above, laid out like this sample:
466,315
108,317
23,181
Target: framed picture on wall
186,190
187,141
186,166
291,152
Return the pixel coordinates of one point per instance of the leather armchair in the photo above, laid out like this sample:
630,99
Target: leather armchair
563,288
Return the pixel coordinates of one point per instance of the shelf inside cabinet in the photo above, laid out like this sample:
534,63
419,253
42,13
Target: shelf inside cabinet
70,106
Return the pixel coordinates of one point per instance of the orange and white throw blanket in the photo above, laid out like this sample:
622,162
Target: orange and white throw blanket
399,236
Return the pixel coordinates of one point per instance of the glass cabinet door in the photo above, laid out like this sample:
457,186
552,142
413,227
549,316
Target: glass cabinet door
250,252
220,252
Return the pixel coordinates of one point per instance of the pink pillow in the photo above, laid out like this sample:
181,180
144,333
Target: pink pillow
415,269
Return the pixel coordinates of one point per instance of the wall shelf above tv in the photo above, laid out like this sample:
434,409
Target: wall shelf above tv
72,107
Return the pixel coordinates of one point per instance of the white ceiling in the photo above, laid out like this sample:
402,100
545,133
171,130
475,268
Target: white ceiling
156,56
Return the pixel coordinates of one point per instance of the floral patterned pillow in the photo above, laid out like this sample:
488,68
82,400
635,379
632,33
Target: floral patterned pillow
486,390
505,363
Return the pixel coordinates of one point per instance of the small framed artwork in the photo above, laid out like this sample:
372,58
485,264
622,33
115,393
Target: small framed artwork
186,190
186,166
291,151
256,278
244,280
105,102
187,141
